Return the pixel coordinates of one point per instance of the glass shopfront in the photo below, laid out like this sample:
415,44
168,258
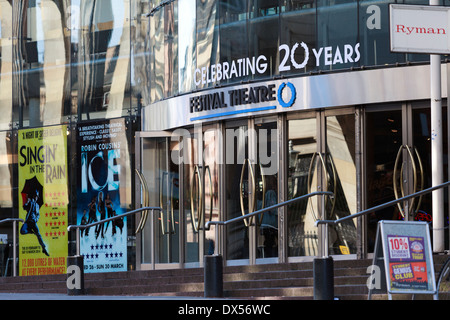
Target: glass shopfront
68,63
84,64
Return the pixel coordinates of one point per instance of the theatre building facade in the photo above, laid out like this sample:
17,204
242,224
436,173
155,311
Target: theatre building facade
209,110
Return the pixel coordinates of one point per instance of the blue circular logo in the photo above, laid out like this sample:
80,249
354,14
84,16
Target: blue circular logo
280,95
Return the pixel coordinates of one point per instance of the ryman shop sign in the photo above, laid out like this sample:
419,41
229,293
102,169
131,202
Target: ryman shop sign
419,29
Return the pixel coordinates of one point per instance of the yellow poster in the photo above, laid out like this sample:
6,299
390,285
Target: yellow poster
43,201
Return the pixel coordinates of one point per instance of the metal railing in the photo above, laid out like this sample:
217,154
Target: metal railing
249,215
78,228
326,223
14,221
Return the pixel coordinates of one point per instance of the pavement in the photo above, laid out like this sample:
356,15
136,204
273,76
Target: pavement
55,296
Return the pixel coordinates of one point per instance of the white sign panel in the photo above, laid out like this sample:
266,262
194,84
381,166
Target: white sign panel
419,29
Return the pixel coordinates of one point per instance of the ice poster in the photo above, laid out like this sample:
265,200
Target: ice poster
102,154
43,200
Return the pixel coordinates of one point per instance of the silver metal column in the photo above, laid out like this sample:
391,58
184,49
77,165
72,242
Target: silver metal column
437,156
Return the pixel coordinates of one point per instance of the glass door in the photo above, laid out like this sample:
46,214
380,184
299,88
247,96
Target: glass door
160,180
239,186
398,162
302,179
321,157
383,141
251,184
266,187
339,153
200,186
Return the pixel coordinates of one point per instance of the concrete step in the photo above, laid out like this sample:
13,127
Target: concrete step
270,281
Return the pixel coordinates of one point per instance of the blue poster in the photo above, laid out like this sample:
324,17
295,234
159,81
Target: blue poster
102,154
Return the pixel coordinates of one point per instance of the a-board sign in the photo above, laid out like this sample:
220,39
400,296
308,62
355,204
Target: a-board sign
403,254
419,29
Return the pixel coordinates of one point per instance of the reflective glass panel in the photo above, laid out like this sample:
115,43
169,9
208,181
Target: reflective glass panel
238,185
298,26
207,46
263,33
337,45
187,59
42,74
103,58
266,177
233,40
383,141
302,179
374,34
341,180
6,65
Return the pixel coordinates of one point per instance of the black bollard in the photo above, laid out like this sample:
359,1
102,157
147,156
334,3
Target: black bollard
75,276
213,276
323,279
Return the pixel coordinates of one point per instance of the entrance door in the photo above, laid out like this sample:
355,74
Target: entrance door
398,162
160,178
251,183
321,157
200,191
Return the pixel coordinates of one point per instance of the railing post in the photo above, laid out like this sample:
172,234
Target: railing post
75,270
216,244
213,276
323,272
152,240
77,247
213,271
75,275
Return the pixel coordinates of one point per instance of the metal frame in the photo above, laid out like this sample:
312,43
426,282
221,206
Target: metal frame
14,221
153,241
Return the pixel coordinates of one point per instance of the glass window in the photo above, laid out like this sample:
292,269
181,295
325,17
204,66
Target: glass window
187,45
298,26
207,46
6,64
263,36
163,52
374,34
6,173
139,55
233,39
337,35
295,5
42,74
103,58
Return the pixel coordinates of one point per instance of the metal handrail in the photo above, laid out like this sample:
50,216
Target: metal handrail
249,215
14,221
85,226
326,223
